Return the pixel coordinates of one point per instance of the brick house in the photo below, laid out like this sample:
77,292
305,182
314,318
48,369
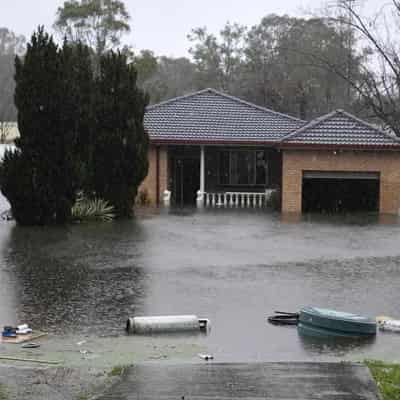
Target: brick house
212,149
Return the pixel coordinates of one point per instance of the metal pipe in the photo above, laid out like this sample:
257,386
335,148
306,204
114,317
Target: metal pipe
166,324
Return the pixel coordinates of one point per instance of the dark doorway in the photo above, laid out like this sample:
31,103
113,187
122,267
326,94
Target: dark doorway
187,181
336,195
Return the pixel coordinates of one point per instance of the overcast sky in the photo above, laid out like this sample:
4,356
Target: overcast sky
162,25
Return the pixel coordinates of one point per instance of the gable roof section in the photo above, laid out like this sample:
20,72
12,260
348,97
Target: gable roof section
211,117
340,129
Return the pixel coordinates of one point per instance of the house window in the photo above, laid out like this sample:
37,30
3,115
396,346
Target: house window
243,167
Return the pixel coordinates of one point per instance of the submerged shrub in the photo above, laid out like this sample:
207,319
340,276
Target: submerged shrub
92,210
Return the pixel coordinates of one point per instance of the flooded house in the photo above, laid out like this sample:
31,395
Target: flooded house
211,149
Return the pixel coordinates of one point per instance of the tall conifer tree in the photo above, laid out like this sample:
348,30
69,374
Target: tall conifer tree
39,178
121,142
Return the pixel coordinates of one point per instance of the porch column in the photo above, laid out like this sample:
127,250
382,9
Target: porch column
200,193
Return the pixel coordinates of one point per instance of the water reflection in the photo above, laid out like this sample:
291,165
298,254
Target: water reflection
337,346
234,267
72,279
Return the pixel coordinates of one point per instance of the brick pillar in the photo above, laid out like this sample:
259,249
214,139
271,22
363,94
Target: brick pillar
163,171
156,182
389,192
292,180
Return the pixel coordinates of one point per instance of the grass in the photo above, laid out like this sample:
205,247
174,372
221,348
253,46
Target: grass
117,370
3,395
387,377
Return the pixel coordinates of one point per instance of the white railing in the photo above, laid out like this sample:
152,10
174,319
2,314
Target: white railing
237,199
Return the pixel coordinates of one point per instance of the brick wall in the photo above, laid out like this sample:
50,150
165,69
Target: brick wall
297,161
149,185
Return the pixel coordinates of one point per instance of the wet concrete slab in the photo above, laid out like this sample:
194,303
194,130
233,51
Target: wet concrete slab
271,381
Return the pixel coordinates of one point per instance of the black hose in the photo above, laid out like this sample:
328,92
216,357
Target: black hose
284,319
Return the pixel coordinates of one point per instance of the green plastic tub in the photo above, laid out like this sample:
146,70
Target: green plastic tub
323,322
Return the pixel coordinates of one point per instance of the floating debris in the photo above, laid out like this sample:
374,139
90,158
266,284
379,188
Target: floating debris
30,345
166,324
284,318
388,324
321,322
206,357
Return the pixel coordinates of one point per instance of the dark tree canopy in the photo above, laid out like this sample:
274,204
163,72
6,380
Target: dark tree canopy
276,63
378,86
120,145
97,23
80,132
38,178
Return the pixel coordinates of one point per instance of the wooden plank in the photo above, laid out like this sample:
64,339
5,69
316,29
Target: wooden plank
272,381
31,360
22,338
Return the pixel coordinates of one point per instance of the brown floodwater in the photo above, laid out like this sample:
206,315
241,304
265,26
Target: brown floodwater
234,267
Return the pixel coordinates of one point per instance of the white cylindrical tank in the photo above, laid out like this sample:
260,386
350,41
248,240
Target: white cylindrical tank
165,324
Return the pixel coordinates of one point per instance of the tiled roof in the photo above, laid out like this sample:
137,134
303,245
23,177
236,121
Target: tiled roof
340,129
209,116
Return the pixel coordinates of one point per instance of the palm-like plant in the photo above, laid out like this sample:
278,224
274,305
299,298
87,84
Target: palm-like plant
92,210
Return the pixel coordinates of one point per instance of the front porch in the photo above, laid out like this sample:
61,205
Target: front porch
222,176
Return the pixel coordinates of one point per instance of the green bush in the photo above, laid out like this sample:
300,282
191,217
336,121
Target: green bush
120,145
80,131
92,210
25,189
39,179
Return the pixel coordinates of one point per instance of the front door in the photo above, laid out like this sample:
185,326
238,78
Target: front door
187,181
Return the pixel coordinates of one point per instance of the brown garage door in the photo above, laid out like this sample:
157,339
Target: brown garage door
336,191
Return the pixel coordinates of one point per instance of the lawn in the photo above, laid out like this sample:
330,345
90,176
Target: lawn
387,377
3,395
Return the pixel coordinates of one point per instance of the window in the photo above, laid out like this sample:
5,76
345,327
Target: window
243,167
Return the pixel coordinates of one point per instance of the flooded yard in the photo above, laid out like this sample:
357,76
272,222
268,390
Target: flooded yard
234,267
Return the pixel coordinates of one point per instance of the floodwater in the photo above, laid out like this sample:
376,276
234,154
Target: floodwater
234,267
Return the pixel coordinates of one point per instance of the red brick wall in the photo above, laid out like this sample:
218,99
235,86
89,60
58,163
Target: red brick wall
297,161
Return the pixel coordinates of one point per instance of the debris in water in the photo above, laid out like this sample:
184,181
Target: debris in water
30,345
206,357
166,324
284,318
386,323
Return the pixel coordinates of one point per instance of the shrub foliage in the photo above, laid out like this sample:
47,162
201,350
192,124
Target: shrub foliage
80,130
121,143
92,210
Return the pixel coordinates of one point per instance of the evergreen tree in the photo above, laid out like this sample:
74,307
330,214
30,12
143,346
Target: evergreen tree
78,106
39,178
120,145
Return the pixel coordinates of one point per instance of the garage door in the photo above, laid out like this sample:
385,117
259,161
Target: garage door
333,191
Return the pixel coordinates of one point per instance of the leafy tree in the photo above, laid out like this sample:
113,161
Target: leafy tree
39,178
173,77
120,145
378,86
146,65
218,60
97,23
276,63
282,65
